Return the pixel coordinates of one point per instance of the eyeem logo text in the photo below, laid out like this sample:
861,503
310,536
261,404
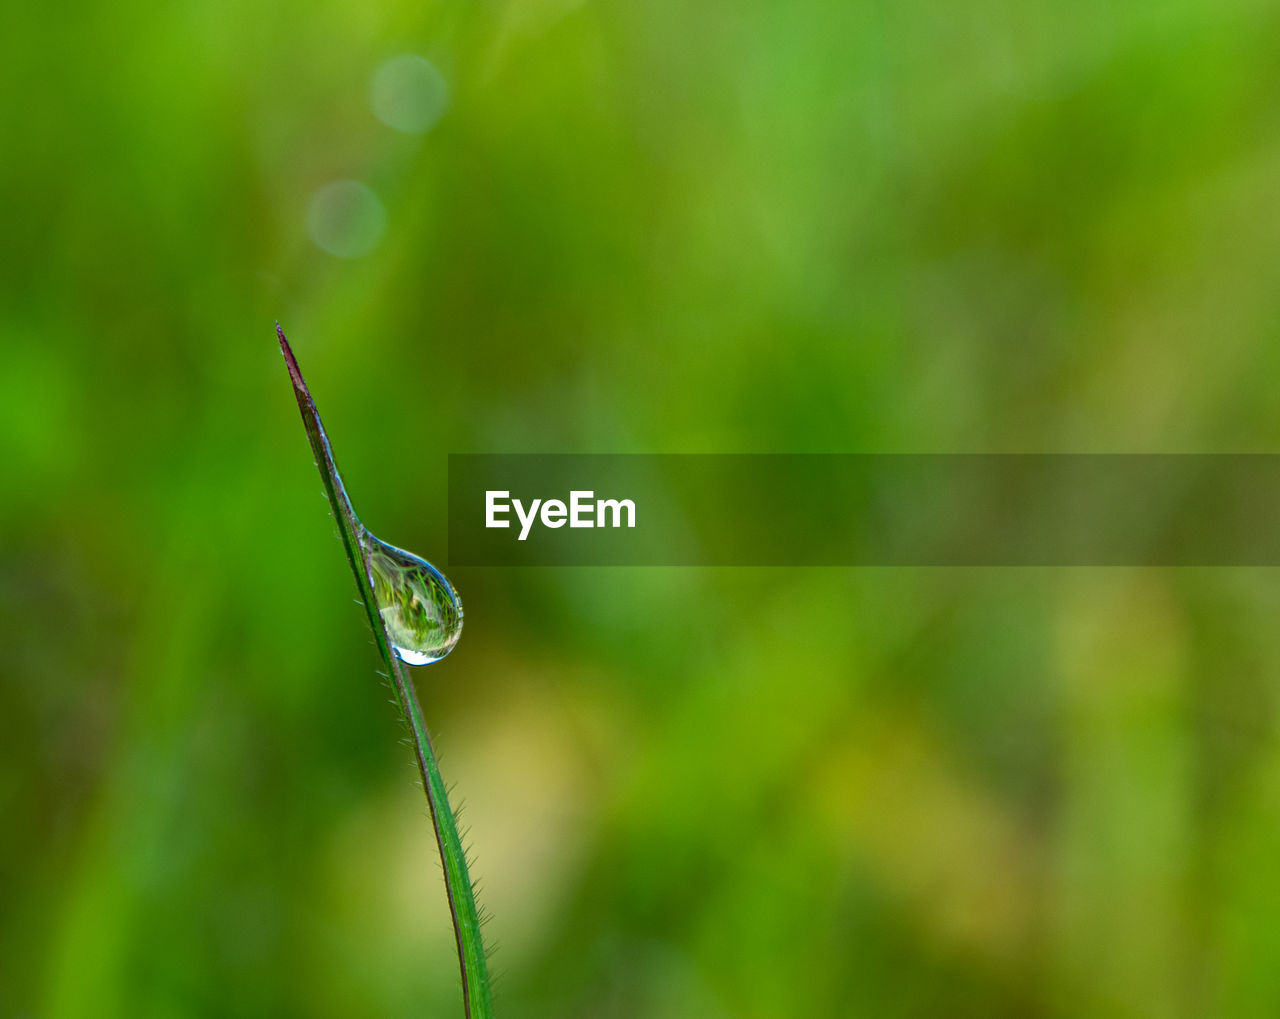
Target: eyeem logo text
583,510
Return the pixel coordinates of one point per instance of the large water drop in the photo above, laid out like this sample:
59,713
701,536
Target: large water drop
420,609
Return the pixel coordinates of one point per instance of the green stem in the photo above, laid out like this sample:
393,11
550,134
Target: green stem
462,902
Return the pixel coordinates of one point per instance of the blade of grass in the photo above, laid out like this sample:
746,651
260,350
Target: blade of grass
458,887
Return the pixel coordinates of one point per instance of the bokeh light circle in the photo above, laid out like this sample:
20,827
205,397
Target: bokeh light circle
408,93
346,219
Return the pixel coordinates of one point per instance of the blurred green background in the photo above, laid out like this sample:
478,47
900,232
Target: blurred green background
629,227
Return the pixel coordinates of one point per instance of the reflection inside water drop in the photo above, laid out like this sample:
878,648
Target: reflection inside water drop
420,609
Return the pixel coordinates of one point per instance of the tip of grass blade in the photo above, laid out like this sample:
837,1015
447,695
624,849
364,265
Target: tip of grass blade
295,373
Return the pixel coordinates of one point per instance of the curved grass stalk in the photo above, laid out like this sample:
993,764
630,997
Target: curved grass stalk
461,894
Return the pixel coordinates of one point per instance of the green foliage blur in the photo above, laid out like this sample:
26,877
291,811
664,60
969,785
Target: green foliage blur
634,227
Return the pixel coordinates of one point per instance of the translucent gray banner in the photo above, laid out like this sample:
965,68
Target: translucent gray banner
864,510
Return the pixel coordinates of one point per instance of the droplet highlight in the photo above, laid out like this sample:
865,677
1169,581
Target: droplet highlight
408,93
420,609
346,219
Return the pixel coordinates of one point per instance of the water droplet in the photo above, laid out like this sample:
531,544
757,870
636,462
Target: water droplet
420,609
346,219
408,93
